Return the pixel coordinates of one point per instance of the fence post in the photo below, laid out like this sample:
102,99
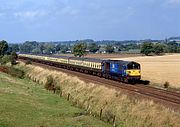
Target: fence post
114,121
100,114
68,96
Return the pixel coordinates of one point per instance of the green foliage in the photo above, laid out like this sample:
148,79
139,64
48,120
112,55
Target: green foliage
3,47
49,48
13,71
147,48
109,48
158,48
49,82
79,49
16,72
36,51
172,47
93,47
61,48
13,48
14,57
28,46
5,59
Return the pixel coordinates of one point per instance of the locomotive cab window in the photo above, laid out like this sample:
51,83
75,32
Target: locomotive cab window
133,66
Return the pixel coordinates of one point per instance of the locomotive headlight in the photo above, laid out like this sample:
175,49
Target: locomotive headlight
129,72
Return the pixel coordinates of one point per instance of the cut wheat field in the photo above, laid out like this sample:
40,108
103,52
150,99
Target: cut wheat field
159,69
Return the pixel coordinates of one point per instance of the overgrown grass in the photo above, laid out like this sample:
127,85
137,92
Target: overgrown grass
129,112
24,103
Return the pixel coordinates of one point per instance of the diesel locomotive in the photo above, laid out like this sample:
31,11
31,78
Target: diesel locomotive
125,71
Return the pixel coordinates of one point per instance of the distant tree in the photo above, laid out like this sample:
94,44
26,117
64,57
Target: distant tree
172,47
63,49
28,46
58,47
15,47
49,48
158,48
3,47
147,48
79,49
42,47
36,51
93,47
109,48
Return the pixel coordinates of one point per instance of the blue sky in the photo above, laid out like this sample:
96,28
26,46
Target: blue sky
53,20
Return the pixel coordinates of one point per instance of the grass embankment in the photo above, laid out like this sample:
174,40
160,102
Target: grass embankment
24,103
129,112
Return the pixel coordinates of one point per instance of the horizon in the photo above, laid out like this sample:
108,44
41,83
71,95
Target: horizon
64,20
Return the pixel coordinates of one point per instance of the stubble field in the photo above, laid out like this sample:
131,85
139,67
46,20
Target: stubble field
159,69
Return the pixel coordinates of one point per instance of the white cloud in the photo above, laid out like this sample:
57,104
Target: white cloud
30,15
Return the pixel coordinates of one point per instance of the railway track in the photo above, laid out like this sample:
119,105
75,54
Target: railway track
167,98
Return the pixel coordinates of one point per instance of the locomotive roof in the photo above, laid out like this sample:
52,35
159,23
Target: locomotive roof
122,62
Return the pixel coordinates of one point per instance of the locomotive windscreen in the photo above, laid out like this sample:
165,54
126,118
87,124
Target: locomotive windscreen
133,65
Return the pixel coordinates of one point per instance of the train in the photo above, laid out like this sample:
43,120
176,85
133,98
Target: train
119,70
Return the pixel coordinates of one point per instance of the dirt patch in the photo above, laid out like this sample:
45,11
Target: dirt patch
3,69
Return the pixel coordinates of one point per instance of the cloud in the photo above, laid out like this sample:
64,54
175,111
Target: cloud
30,15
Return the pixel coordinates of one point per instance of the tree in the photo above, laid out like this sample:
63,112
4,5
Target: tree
13,57
93,47
109,48
172,47
158,48
3,47
49,48
147,48
80,49
28,46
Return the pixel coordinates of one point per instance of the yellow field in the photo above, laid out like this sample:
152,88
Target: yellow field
159,69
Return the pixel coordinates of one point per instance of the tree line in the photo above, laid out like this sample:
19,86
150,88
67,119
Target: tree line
82,48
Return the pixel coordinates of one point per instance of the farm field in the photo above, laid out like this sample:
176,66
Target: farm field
25,103
159,69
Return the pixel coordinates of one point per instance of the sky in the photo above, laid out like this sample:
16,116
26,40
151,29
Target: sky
58,20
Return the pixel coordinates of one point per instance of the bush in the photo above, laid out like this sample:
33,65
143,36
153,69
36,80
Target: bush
50,84
12,71
16,72
166,84
28,62
5,59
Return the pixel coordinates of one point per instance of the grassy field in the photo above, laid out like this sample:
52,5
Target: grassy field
159,69
26,104
129,111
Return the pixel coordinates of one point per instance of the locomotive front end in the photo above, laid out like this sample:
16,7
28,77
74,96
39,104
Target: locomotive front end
133,72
